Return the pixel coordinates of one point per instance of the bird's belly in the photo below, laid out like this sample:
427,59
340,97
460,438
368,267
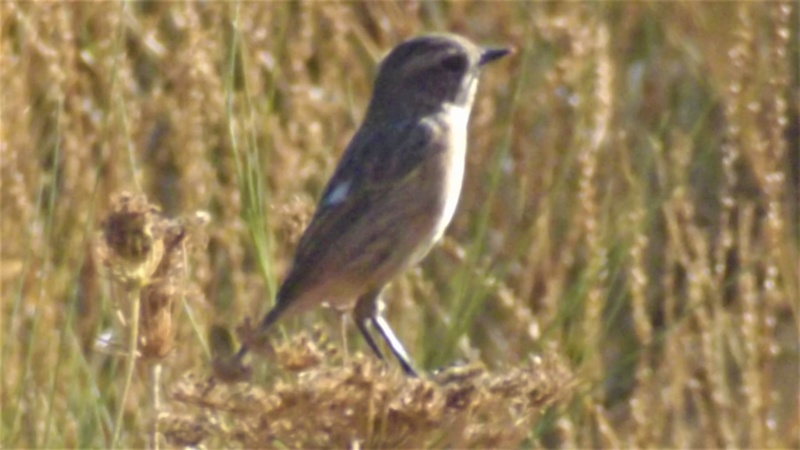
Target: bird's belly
448,177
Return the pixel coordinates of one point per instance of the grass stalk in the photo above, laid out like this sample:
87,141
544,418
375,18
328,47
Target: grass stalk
132,294
155,403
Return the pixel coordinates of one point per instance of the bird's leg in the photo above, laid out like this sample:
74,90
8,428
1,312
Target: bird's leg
368,309
343,332
394,344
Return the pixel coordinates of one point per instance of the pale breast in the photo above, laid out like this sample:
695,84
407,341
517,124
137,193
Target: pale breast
451,170
454,176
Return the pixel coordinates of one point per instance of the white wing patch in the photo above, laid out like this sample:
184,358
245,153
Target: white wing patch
338,194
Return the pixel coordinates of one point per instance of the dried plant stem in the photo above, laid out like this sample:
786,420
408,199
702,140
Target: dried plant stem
155,398
133,290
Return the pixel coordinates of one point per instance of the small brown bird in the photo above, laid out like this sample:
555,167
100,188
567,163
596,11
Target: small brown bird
395,189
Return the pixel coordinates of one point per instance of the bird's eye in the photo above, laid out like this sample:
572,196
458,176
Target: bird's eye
455,63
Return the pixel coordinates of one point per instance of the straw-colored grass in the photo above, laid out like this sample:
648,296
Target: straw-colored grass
623,269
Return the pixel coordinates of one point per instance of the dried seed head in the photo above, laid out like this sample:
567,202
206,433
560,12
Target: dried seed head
359,399
131,247
144,252
156,332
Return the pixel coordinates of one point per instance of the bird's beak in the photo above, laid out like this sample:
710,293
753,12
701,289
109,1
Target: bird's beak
491,54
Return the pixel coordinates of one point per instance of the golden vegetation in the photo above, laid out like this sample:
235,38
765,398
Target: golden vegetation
630,211
357,402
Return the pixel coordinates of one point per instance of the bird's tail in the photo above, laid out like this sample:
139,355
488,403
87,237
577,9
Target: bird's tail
269,319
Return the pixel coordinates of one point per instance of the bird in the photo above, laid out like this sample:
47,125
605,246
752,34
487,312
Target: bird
395,189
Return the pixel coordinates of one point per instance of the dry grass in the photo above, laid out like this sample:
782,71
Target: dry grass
358,402
631,205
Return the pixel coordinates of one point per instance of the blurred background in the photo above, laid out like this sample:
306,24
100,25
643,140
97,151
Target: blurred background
630,203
